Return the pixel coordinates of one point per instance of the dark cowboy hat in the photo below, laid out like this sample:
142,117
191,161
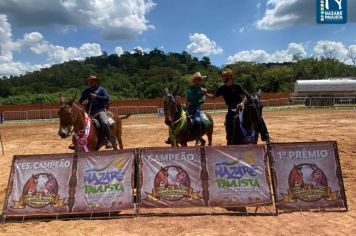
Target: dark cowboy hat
92,77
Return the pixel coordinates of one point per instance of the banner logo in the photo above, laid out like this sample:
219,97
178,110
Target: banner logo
172,183
308,183
331,11
40,191
240,176
104,183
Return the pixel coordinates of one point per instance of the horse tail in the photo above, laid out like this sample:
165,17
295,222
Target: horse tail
125,117
118,128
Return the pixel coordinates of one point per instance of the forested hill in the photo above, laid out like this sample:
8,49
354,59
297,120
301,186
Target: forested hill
145,75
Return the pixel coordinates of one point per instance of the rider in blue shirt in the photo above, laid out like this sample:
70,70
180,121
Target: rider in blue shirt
95,99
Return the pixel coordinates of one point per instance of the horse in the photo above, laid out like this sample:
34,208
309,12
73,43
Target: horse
86,137
31,186
249,123
182,178
161,178
295,178
318,178
179,123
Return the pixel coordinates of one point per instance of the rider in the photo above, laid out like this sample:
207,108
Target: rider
95,99
196,97
235,98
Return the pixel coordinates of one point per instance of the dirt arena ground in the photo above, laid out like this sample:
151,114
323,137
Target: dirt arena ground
284,125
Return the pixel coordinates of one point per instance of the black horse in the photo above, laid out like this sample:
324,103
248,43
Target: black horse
180,125
249,123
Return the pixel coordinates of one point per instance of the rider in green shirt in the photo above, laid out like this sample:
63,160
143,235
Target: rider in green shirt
196,97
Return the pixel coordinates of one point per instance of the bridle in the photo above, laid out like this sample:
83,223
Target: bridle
169,102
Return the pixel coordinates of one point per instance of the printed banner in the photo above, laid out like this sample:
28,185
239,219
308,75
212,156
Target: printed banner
171,177
39,185
237,176
307,175
104,181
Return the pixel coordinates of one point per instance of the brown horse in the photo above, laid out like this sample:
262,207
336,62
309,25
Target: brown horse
296,177
86,138
178,121
161,178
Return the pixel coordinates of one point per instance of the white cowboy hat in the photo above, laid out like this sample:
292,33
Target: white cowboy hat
196,76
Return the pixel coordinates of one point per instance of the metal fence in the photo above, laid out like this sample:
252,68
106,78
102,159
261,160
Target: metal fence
292,102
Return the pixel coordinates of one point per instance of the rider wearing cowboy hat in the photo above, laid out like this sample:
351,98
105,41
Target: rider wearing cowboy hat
196,97
95,99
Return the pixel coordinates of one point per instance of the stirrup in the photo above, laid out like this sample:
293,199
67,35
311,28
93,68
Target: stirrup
108,145
71,146
168,141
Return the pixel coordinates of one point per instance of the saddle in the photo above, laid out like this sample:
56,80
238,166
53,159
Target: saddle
96,122
204,119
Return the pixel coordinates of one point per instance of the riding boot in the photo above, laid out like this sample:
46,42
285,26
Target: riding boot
107,134
168,141
197,134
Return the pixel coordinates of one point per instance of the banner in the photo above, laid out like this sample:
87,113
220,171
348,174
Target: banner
38,185
105,181
67,183
237,176
170,177
307,175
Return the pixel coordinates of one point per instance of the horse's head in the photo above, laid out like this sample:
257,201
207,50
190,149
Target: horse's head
67,117
172,107
161,177
296,177
253,115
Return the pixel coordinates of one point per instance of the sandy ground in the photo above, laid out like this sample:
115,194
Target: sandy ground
284,125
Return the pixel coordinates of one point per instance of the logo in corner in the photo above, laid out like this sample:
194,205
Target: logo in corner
331,11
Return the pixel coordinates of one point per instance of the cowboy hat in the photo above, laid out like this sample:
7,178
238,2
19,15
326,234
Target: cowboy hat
91,77
196,76
227,72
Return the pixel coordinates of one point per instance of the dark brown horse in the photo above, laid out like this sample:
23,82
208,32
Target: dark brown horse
249,123
86,138
178,121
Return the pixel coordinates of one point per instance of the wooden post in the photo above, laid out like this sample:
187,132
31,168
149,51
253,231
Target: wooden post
72,183
204,177
2,146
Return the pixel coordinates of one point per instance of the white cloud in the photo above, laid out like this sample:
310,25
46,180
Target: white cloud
331,49
201,44
283,13
139,49
116,18
34,42
323,48
261,56
59,54
119,51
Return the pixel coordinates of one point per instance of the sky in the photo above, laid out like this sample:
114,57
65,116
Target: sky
39,33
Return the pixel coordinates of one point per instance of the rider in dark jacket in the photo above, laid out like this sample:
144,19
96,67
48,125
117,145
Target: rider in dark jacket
95,99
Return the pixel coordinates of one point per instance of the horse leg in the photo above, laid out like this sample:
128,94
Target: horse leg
113,142
118,131
209,133
119,140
